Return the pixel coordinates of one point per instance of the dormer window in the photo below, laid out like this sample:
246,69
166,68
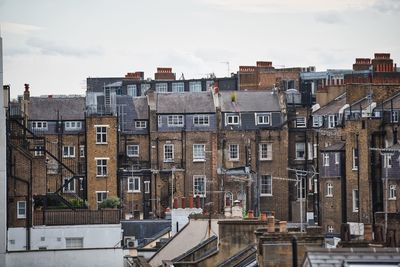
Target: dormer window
231,119
175,120
39,125
317,121
395,116
73,125
140,124
332,121
301,122
263,118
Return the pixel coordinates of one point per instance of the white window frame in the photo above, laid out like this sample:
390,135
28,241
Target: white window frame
315,151
159,121
330,229
168,158
355,200
231,150
199,152
195,86
232,119
355,159
132,151
101,135
201,120
70,188
392,192
317,121
265,151
21,206
82,151
329,190
131,90
301,122
263,118
395,116
134,184
39,125
74,242
337,158
140,124
68,151
325,159
102,194
266,185
310,150
39,153
146,187
175,121
196,191
332,121
387,161
162,88
300,147
178,87
72,125
103,171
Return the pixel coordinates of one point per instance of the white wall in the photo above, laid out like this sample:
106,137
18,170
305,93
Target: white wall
181,216
67,258
94,236
3,178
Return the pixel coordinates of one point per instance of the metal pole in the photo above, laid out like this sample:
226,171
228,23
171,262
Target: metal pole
172,188
301,201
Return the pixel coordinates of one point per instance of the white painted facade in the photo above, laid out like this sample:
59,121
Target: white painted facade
181,216
54,237
3,173
67,258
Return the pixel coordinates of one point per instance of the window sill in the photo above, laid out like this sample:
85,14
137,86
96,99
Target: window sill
299,159
169,161
101,176
355,211
354,169
21,218
329,196
234,160
101,143
265,159
132,156
199,160
266,195
393,198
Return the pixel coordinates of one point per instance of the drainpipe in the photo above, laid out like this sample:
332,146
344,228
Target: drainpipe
358,179
294,251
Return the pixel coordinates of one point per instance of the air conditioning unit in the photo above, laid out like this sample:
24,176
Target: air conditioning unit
130,242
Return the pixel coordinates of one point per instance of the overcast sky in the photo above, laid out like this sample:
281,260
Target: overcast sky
54,45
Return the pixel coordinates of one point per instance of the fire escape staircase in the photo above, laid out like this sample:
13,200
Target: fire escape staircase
24,139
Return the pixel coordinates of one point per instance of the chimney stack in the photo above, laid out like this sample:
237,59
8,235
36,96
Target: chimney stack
164,74
136,76
26,92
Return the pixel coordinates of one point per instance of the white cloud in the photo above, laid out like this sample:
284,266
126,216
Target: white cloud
52,48
18,28
330,17
290,6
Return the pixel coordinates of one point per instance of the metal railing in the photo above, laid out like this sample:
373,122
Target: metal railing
70,217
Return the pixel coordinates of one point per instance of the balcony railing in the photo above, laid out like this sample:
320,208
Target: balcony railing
70,217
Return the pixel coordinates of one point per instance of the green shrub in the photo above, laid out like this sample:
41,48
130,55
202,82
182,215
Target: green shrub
111,202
